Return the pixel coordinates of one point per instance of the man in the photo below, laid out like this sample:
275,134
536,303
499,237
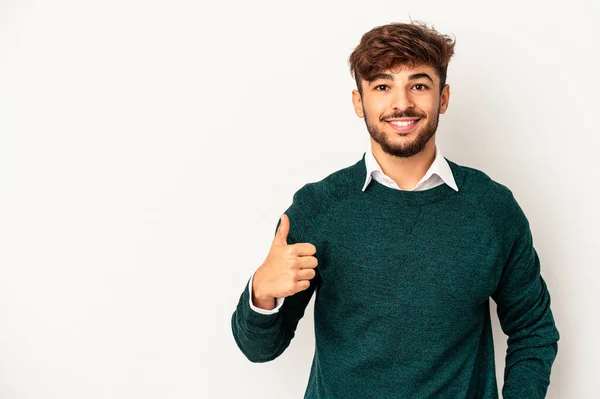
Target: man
404,250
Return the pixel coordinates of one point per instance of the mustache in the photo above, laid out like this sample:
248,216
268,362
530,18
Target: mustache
406,114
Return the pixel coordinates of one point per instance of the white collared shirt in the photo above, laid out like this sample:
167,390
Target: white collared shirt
438,173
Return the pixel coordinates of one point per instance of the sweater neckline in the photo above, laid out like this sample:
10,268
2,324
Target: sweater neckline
405,197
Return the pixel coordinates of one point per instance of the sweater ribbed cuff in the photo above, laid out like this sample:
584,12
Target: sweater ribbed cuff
256,321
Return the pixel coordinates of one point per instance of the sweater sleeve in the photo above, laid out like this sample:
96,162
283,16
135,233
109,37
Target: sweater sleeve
263,337
523,308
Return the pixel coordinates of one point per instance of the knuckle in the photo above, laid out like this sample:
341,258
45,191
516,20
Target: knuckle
290,292
294,262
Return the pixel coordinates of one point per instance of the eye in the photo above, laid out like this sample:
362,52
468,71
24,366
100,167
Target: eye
378,86
421,85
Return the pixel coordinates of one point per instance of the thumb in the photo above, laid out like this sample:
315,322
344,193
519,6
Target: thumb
282,231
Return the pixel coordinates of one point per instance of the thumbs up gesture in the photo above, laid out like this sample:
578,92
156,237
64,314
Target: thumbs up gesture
287,269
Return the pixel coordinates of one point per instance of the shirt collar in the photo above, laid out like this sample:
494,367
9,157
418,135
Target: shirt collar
439,167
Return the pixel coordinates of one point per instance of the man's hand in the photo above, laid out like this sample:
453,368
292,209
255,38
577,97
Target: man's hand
286,270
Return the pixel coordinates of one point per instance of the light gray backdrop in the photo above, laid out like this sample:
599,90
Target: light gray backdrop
148,148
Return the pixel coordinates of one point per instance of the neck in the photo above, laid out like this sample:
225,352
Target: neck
406,172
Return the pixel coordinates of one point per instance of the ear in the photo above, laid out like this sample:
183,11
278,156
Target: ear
357,103
444,98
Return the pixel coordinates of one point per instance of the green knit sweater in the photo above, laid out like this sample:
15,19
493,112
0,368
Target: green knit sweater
402,291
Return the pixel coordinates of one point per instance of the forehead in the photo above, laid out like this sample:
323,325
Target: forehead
408,71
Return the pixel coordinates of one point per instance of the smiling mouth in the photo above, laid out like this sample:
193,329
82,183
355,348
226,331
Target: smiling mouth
404,126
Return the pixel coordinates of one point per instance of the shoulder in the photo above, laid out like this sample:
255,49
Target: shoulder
322,194
316,198
492,197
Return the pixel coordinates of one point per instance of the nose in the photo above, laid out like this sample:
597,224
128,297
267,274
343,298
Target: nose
402,100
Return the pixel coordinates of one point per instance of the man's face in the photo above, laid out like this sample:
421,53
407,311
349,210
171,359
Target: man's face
401,108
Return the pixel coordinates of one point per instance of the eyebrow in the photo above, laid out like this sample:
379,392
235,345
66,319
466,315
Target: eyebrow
414,76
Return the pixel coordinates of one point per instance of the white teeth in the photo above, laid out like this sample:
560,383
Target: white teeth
400,123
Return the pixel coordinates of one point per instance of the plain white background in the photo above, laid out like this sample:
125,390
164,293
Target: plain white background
148,148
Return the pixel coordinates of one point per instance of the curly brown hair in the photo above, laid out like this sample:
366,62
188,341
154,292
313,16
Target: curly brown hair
400,44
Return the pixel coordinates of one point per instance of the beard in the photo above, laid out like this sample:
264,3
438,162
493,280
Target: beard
403,148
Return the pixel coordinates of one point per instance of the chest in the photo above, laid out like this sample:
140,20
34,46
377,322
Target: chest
425,265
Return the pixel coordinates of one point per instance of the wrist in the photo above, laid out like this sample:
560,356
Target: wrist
259,299
267,303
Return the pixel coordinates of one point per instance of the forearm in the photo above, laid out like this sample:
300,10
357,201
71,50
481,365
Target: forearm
532,349
528,376
260,337
264,334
